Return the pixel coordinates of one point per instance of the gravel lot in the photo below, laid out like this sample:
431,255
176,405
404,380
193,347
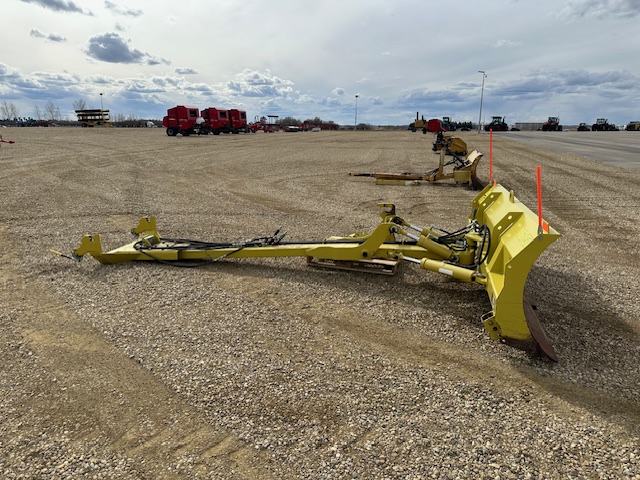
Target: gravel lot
267,369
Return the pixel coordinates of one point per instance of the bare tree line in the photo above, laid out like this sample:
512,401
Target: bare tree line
51,112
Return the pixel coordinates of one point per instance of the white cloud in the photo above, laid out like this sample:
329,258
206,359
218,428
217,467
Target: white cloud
502,43
305,59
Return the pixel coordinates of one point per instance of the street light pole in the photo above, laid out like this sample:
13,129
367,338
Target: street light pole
101,108
355,121
484,75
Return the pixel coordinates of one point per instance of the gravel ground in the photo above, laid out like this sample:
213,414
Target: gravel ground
266,369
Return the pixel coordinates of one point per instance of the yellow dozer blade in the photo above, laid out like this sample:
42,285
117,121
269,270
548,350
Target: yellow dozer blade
496,250
517,240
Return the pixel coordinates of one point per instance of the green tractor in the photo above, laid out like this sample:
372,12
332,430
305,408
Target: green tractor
497,125
603,125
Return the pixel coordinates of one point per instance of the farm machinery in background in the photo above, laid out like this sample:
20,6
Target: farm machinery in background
271,123
450,144
187,121
448,125
461,169
314,125
432,125
94,118
603,125
552,125
495,249
268,124
633,126
583,127
497,124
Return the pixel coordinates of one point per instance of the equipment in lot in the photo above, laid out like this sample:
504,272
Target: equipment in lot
583,127
633,126
221,120
190,121
461,169
495,249
450,144
433,125
603,125
498,124
418,124
185,121
448,125
268,124
552,125
94,118
317,125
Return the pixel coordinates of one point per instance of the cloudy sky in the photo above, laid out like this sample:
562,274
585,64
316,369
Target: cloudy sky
576,59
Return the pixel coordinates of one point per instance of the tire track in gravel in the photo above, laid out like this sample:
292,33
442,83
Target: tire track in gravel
110,397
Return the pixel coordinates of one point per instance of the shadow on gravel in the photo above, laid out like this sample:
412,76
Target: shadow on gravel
408,288
582,322
598,349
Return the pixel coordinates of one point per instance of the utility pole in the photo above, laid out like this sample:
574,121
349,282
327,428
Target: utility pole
484,75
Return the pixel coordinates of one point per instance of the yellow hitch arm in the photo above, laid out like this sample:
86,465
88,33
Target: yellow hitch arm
496,250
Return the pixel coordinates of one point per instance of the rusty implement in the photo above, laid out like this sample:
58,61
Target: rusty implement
462,170
496,249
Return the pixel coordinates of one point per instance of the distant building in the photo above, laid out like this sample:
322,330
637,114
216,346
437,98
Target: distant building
524,126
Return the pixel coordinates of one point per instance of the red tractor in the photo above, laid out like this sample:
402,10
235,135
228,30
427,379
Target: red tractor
552,125
184,120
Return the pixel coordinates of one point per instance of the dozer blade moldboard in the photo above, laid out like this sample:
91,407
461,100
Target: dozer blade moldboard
515,246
